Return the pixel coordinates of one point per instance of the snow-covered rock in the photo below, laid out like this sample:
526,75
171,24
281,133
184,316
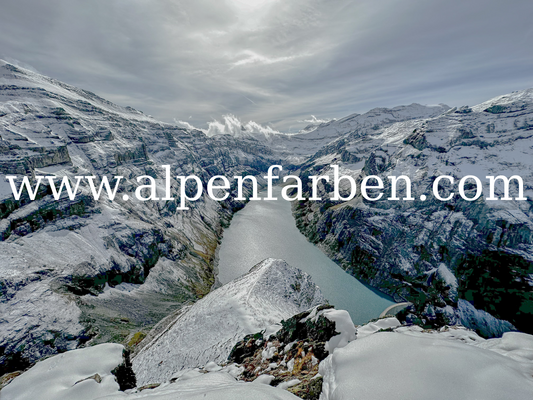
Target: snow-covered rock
82,374
344,327
410,364
376,326
208,330
289,357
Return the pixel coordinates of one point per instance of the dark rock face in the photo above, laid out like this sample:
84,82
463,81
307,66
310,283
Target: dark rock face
124,373
482,278
246,348
300,327
295,349
433,252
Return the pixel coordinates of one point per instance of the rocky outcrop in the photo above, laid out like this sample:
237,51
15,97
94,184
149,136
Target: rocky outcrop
289,358
208,329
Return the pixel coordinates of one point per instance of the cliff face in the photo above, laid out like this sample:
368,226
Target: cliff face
427,251
87,269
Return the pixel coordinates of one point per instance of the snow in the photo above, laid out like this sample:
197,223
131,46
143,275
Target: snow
214,386
64,377
212,367
447,275
516,345
288,384
481,320
208,330
344,325
265,379
373,327
268,353
58,377
395,365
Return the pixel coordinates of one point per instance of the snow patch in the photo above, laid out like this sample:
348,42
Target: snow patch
394,365
64,377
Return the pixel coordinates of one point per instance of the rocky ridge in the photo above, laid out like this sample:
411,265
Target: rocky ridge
208,330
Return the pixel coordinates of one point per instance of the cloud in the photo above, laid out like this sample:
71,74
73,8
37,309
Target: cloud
315,121
233,126
185,124
274,61
254,58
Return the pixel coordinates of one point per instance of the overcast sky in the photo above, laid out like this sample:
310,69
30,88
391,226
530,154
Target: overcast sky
276,62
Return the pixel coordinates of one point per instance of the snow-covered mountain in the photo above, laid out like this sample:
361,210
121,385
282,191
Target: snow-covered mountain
81,272
208,330
57,255
295,148
432,252
298,148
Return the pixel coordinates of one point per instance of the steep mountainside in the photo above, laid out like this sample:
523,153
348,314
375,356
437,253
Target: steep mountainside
57,255
432,252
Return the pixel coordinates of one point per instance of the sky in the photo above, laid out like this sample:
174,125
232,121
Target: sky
276,62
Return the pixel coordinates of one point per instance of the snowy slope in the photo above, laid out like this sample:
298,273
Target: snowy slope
208,330
64,377
85,374
411,364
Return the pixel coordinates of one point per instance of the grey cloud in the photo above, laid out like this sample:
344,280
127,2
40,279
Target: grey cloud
277,63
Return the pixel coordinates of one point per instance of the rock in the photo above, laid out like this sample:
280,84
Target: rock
209,329
124,373
290,357
399,246
97,378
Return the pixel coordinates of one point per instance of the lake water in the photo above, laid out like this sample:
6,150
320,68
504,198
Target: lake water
266,229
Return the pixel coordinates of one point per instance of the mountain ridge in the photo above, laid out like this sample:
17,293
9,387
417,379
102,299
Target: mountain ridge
90,271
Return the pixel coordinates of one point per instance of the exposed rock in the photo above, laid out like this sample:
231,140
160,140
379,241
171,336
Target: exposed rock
289,358
124,373
97,378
